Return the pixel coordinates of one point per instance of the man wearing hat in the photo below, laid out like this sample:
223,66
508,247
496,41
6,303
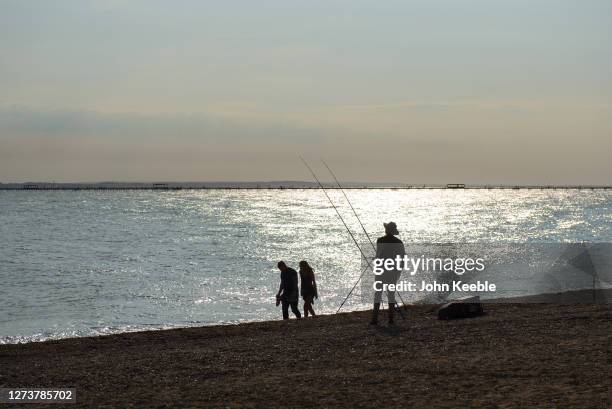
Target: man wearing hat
387,247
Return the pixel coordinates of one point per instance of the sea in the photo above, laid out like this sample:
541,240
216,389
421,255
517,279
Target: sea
87,262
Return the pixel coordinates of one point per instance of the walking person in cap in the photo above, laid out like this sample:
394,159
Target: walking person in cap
288,291
387,247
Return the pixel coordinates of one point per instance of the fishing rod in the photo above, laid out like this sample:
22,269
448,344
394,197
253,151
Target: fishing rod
337,211
364,230
352,208
347,229
353,289
350,233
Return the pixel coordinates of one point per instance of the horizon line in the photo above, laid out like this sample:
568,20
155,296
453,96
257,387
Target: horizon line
280,184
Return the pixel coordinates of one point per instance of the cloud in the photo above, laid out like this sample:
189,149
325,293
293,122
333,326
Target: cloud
497,142
20,121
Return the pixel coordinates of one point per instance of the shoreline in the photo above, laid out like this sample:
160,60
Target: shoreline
516,355
598,296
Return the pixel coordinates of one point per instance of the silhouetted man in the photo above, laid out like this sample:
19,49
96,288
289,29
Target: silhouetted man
387,247
288,292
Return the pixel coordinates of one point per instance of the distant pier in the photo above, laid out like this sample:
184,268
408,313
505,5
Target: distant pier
271,185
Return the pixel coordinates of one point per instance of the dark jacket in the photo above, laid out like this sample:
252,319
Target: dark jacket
389,247
289,282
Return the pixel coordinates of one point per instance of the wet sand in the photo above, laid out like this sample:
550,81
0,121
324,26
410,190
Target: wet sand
515,356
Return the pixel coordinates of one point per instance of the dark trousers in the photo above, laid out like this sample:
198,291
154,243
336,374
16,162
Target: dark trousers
294,308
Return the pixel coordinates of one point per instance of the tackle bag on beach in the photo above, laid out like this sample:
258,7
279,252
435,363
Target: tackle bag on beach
462,308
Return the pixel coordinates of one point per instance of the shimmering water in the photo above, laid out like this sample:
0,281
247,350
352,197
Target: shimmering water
96,262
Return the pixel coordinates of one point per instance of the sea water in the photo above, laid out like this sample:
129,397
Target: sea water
79,263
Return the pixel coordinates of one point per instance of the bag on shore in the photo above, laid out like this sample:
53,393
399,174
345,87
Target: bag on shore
462,308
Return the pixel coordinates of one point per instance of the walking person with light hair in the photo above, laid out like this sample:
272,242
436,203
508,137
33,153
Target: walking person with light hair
308,288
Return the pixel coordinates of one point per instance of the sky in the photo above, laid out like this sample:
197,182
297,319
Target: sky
411,91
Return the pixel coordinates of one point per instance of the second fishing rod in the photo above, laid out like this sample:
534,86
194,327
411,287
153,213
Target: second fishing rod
349,231
364,231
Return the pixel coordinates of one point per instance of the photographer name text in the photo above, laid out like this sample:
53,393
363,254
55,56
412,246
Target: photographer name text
459,286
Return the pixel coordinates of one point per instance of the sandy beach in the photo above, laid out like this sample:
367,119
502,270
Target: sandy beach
516,355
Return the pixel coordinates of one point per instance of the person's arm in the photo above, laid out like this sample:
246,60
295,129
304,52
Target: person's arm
402,253
278,295
314,284
280,289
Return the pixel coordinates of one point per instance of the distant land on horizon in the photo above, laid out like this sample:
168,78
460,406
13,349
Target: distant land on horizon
288,184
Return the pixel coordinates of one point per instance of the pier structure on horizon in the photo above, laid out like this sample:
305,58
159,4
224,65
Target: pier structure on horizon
272,185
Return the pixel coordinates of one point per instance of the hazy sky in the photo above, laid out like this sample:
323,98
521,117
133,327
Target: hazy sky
422,91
